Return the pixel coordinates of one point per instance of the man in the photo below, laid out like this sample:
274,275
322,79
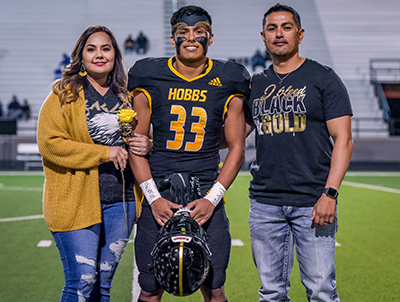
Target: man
142,43
14,108
297,106
188,99
129,45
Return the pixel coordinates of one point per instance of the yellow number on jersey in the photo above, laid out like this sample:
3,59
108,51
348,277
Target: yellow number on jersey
197,128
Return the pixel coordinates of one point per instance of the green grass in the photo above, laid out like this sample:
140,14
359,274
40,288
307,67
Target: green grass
367,262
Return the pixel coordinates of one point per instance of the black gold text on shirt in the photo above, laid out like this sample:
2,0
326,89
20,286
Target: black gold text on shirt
283,112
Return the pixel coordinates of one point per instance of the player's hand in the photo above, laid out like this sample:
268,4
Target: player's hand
118,156
163,210
139,144
202,210
324,211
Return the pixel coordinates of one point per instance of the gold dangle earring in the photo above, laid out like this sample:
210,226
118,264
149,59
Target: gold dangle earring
83,71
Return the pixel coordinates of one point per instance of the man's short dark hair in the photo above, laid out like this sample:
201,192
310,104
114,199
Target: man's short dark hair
189,10
282,8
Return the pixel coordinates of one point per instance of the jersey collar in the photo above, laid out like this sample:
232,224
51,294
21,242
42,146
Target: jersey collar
206,71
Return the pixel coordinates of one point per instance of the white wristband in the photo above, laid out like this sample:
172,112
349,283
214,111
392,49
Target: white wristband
216,193
150,190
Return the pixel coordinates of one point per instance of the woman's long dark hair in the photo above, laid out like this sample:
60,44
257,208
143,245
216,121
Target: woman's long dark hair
67,88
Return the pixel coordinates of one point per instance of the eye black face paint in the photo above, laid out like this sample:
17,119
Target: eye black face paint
178,43
204,42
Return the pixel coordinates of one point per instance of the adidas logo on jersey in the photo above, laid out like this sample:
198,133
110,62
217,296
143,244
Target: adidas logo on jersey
215,82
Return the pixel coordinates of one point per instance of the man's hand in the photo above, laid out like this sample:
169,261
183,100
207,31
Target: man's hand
324,211
202,210
163,210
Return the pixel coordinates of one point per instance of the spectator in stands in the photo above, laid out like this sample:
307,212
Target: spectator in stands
14,108
257,60
142,43
57,74
129,45
88,199
1,109
66,60
26,110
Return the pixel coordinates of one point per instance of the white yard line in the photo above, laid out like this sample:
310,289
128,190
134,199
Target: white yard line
21,218
34,189
241,173
371,187
237,242
350,174
21,173
135,284
373,174
44,243
135,273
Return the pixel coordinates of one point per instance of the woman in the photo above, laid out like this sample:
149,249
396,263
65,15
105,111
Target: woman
88,202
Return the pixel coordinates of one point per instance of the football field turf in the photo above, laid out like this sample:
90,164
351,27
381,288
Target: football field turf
367,255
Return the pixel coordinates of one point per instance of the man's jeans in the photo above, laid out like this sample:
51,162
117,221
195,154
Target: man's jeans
90,256
274,231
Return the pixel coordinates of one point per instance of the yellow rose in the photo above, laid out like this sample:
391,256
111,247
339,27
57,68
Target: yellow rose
126,115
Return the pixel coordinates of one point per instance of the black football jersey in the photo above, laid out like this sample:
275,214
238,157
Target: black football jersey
187,114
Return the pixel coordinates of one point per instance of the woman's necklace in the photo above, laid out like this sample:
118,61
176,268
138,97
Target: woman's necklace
281,79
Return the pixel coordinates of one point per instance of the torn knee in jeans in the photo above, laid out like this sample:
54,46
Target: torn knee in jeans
87,280
85,286
118,248
106,266
85,260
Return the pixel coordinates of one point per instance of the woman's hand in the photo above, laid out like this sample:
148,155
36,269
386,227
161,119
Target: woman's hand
139,144
118,156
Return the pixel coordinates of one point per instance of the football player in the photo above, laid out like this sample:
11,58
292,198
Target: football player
188,100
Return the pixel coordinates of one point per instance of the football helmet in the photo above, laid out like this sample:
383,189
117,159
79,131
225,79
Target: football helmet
181,257
183,187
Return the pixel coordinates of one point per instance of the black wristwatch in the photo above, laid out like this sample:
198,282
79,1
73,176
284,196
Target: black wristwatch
331,192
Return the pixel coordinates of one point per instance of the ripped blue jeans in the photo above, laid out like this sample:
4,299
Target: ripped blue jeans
90,256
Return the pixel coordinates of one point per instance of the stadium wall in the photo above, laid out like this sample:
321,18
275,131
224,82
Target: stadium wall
369,154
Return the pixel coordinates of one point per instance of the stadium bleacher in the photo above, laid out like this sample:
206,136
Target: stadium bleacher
35,34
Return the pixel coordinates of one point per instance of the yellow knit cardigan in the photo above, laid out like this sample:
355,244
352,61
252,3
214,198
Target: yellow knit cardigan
71,197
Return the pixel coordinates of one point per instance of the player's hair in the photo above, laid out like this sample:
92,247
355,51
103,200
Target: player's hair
67,88
282,8
190,10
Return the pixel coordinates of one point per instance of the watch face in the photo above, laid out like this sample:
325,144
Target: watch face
331,192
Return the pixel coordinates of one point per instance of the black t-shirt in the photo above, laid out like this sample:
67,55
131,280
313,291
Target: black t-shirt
102,123
293,143
187,114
